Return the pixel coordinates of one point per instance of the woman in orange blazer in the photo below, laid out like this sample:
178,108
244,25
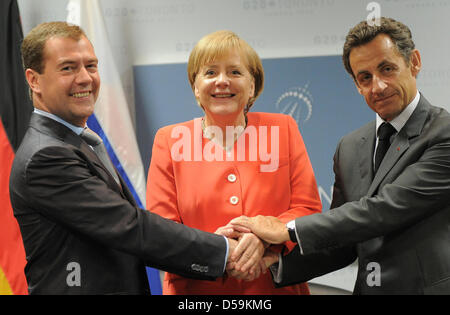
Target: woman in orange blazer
209,170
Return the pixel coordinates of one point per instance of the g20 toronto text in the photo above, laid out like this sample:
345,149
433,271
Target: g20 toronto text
246,304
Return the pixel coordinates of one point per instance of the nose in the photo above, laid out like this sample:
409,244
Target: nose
83,77
378,85
222,80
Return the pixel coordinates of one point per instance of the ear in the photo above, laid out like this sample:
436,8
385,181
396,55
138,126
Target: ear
197,96
33,80
252,88
196,91
416,63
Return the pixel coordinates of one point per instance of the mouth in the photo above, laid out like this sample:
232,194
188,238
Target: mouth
223,95
81,94
382,99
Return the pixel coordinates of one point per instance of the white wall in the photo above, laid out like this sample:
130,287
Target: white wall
164,31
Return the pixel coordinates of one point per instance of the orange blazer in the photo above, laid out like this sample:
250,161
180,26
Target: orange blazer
193,181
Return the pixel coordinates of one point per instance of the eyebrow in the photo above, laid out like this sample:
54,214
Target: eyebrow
215,66
362,72
383,63
72,62
66,61
380,65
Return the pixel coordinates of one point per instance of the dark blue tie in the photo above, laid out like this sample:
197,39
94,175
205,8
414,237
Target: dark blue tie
385,131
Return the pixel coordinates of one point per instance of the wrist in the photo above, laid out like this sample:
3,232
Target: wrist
290,230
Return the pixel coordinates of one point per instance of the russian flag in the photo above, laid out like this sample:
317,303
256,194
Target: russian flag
112,119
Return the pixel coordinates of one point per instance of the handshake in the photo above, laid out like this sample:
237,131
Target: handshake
250,252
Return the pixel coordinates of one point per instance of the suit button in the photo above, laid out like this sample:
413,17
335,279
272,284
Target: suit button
195,267
234,200
231,178
199,268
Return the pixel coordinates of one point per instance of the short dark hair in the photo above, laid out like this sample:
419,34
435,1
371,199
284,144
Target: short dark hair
363,33
34,43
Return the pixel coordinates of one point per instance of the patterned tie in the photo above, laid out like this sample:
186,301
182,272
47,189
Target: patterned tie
96,143
385,131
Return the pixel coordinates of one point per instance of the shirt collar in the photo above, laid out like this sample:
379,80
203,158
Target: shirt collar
400,121
75,129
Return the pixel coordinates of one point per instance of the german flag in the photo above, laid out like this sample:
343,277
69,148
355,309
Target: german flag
15,112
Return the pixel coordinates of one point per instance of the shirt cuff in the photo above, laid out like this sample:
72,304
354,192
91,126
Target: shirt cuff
298,240
226,254
277,269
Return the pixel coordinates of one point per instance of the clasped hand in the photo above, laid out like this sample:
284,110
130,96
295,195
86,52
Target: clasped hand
249,256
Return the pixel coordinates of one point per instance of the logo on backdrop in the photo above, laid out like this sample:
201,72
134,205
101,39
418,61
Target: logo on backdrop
297,103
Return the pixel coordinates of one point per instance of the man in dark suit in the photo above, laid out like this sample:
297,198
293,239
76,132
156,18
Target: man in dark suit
391,198
82,230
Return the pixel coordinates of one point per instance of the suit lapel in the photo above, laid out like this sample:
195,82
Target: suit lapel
126,193
366,151
396,150
95,160
401,143
55,129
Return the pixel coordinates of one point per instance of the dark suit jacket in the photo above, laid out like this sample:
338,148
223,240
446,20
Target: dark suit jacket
399,219
70,210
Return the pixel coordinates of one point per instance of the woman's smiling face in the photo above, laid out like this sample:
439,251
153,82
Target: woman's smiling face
224,86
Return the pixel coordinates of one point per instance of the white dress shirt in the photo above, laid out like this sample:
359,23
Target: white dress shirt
398,122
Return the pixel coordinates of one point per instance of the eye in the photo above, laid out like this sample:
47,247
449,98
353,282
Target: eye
209,72
388,69
236,72
364,78
92,67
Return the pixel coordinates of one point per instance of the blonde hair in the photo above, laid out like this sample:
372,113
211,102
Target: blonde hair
218,44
